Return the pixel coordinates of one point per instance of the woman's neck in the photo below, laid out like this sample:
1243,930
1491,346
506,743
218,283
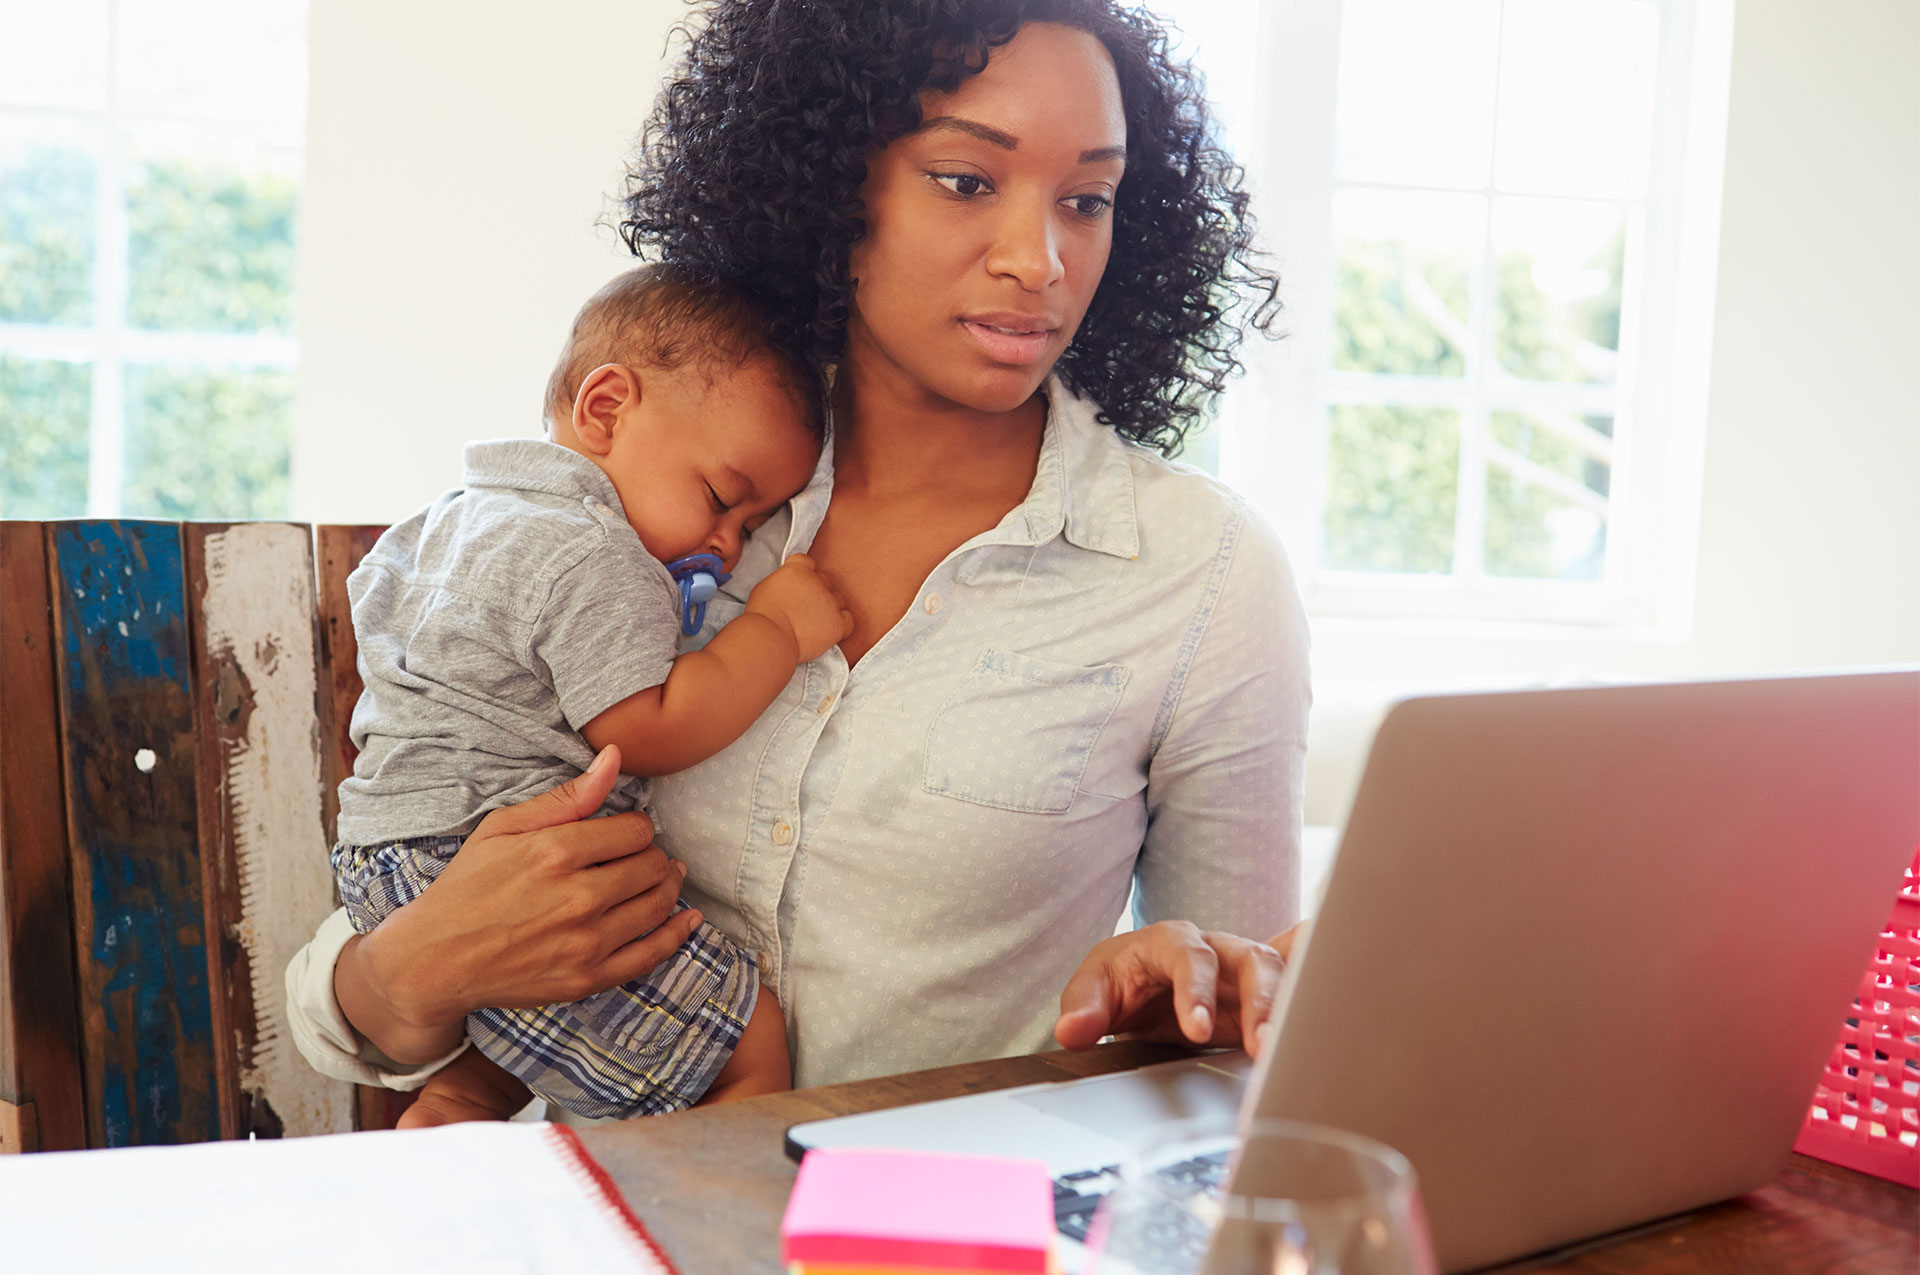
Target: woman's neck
895,440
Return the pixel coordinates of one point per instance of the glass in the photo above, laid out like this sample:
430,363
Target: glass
1292,1199
1415,103
54,54
207,442
1392,488
43,437
235,61
1403,281
1547,495
46,225
210,239
1559,268
1577,92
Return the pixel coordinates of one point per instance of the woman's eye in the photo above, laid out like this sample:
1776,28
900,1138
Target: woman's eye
965,185
1090,206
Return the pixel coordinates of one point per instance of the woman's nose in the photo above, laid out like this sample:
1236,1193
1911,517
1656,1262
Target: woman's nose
1026,249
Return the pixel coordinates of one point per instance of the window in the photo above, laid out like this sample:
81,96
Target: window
1495,223
149,173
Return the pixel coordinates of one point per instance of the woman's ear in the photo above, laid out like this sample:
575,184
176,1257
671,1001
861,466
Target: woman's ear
605,393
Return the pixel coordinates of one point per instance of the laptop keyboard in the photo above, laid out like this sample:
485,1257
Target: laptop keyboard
1077,1195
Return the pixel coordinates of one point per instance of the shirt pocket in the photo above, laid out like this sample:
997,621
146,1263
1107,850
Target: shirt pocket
1017,733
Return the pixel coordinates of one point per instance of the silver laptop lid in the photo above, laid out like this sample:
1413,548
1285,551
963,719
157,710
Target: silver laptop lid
1584,952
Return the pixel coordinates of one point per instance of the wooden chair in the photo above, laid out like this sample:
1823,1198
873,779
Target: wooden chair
173,712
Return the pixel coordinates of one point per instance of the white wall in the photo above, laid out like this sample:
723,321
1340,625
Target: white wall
456,164
458,158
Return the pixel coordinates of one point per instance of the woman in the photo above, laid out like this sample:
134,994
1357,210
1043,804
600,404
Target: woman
1076,670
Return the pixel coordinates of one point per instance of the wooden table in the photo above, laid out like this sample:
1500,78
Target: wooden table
711,1184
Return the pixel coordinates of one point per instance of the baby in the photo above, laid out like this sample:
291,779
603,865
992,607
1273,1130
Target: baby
523,622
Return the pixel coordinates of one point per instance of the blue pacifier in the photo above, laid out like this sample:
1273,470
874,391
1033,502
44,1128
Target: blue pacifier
700,576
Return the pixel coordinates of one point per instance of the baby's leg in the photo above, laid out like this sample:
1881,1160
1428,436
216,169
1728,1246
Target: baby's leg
644,1048
471,1087
760,1063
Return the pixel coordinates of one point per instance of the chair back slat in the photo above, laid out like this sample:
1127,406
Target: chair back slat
133,824
41,1103
337,551
258,685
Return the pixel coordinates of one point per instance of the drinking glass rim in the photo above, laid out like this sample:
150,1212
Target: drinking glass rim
1170,1133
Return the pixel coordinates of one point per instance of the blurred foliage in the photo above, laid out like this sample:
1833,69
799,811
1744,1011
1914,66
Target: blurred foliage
46,237
1521,537
1391,491
207,442
1539,341
1383,320
1393,472
210,248
44,419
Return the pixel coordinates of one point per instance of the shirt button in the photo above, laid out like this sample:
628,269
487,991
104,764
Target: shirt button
933,603
766,960
825,705
782,833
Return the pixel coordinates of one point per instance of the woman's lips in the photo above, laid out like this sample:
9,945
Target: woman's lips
1012,342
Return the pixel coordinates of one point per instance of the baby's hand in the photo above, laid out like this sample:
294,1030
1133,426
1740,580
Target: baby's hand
798,596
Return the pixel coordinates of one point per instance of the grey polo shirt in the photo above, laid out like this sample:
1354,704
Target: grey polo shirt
493,625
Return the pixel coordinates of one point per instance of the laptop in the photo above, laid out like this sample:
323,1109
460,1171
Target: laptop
1581,958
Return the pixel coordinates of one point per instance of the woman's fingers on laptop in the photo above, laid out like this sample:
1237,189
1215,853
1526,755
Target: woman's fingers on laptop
1172,982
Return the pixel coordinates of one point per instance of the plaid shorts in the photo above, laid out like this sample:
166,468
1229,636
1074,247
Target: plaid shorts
646,1047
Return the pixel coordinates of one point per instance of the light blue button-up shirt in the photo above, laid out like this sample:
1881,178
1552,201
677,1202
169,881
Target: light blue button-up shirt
1107,689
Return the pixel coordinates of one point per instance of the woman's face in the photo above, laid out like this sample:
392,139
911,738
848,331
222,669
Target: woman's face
989,226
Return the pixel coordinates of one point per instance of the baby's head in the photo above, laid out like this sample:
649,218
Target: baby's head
703,425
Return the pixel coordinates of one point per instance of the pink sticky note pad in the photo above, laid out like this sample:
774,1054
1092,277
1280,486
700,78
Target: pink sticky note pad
906,1208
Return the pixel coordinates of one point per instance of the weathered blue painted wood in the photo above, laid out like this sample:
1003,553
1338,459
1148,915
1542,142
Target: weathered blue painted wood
127,715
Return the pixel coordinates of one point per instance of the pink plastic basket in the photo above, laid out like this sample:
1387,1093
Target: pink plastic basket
1866,1111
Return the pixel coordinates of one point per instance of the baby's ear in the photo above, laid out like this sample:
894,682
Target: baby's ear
605,392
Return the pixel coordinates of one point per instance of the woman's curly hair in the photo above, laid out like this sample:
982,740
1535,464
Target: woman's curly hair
749,171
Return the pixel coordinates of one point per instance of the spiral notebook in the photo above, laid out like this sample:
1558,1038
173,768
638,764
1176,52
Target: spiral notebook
469,1199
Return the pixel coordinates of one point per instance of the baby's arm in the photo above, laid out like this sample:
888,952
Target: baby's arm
712,695
759,1063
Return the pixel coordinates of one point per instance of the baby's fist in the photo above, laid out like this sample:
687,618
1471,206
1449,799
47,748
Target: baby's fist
798,596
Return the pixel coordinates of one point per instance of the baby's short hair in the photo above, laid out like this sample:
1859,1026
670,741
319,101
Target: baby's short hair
653,317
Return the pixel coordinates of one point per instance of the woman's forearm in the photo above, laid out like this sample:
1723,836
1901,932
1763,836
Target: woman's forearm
392,1021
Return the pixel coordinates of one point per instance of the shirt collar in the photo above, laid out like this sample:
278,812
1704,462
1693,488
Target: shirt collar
533,464
1082,487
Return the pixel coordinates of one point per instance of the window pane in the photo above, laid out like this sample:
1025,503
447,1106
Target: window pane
1391,488
1559,265
1405,265
207,442
1546,495
46,229
54,54
210,241
44,411
1577,83
241,61
1416,93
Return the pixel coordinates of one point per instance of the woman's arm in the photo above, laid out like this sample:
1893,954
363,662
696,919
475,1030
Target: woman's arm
1222,844
542,904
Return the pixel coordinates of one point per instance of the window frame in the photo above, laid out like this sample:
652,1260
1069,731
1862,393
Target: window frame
1274,424
107,344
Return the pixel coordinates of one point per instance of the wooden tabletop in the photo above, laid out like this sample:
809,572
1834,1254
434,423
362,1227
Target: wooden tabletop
711,1185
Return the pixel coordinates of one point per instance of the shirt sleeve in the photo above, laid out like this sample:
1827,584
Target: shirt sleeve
322,1033
610,628
1225,784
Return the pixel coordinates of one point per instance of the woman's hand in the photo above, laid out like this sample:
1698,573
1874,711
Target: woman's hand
542,904
1173,982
